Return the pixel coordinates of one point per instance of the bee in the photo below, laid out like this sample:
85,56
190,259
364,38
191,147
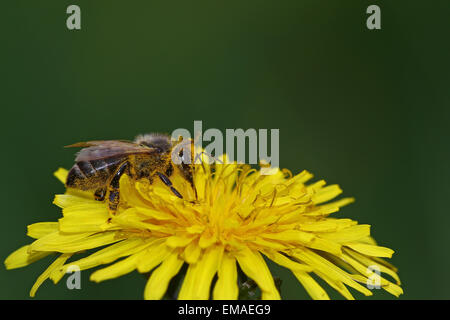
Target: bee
100,164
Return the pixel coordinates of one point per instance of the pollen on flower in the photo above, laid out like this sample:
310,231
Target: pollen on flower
235,217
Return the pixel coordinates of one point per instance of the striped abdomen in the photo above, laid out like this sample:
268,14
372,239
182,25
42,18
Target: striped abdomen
92,174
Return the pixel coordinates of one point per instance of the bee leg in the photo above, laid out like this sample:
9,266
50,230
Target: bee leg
168,183
169,170
114,194
99,194
186,171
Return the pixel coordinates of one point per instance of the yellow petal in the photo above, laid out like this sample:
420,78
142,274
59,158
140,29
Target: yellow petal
178,241
367,271
73,200
336,285
325,245
107,255
327,225
129,193
117,269
290,236
311,286
153,256
159,280
155,214
327,193
330,269
61,175
368,240
349,234
337,204
93,208
207,239
301,178
371,250
316,186
22,257
84,220
393,289
195,229
369,261
132,219
256,268
74,242
198,278
284,261
41,229
269,244
55,265
226,287
192,252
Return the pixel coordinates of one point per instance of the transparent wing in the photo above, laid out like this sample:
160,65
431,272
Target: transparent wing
94,150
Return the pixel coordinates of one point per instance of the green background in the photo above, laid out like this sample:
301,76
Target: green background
366,109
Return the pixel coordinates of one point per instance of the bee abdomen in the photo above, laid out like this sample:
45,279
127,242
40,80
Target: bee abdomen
75,177
88,175
86,168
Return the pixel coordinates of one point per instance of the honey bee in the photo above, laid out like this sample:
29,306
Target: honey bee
100,164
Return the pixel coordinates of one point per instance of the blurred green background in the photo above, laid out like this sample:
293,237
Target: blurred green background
366,109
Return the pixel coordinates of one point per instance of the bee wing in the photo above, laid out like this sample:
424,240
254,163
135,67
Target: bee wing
94,150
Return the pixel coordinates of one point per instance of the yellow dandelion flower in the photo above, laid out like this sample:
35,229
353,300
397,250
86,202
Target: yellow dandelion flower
239,218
